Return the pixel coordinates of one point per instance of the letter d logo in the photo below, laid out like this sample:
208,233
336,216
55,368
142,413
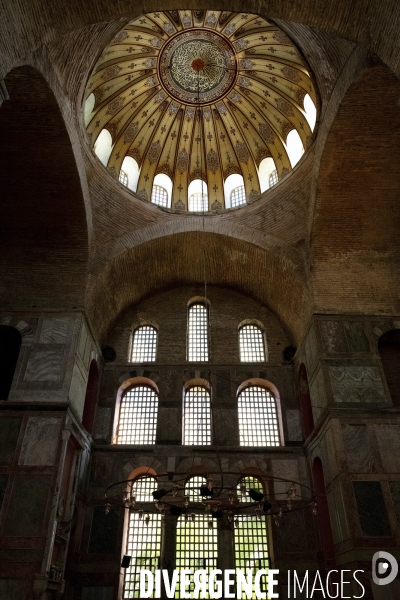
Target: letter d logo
384,568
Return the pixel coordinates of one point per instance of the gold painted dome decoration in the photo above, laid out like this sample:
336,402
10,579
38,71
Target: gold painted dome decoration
200,110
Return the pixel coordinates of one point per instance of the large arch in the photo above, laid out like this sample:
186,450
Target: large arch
355,247
43,232
177,259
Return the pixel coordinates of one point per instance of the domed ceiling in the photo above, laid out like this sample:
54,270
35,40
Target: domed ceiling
198,95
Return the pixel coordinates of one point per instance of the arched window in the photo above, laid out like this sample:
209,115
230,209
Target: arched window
196,416
143,488
294,147
144,344
198,198
232,183
192,488
137,422
197,332
10,344
103,146
123,178
238,196
159,196
251,343
131,169
196,545
258,417
246,483
273,178
266,168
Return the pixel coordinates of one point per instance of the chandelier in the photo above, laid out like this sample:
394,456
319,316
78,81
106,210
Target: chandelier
215,499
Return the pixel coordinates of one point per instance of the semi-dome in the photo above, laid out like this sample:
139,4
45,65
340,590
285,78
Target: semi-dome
200,110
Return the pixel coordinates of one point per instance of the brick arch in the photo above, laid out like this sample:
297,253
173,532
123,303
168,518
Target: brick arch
24,328
355,247
136,273
43,222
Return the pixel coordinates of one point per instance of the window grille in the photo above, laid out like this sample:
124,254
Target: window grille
251,344
273,178
250,483
251,548
144,546
238,197
144,344
138,417
192,488
123,178
258,419
198,202
197,333
143,487
196,417
159,196
196,546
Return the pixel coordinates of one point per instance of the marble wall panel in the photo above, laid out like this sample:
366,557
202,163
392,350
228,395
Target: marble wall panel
371,508
356,384
356,336
225,426
395,492
286,469
77,390
102,428
318,394
104,531
388,438
333,336
55,330
44,365
98,592
169,427
311,350
294,426
358,449
3,486
9,432
27,506
291,534
15,589
40,443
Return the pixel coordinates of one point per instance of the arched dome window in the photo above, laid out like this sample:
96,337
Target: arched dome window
198,197
137,423
103,146
162,190
234,190
258,417
131,169
123,178
196,416
192,488
294,147
144,344
197,332
252,343
267,173
310,111
143,487
273,178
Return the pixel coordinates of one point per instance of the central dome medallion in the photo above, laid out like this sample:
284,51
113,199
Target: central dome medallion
195,110
199,70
